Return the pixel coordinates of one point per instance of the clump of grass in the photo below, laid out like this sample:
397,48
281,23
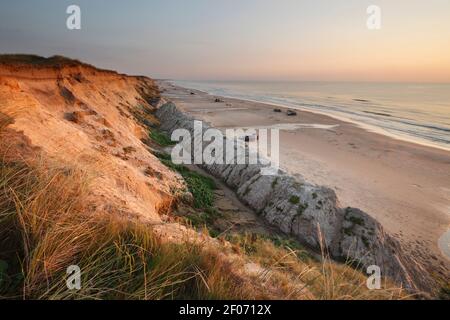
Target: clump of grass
205,217
201,187
133,263
294,200
356,220
250,242
353,219
365,241
444,293
348,231
274,183
301,208
161,138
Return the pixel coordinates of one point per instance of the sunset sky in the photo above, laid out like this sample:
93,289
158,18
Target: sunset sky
241,40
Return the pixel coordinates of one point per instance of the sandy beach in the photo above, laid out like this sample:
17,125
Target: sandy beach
405,186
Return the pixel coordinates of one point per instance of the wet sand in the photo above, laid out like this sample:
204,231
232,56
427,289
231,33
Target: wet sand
405,186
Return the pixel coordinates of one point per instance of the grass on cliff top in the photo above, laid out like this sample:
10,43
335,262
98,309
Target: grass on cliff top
35,60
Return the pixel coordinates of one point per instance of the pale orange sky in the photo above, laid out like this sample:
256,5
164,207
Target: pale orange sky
236,40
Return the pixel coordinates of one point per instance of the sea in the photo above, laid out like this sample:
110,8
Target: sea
416,112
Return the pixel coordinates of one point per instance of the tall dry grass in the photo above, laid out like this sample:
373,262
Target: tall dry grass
46,225
299,275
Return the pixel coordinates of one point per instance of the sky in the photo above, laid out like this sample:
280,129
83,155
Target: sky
284,40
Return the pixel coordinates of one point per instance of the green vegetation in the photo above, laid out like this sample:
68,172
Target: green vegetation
301,208
205,217
201,187
161,138
444,293
274,183
348,231
365,241
355,220
294,200
35,60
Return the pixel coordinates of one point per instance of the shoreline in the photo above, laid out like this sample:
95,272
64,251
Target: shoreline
403,185
364,126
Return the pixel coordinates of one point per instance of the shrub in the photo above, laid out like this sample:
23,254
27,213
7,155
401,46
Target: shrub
294,200
161,138
201,187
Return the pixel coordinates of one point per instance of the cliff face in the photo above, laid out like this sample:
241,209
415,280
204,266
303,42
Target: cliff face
79,115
